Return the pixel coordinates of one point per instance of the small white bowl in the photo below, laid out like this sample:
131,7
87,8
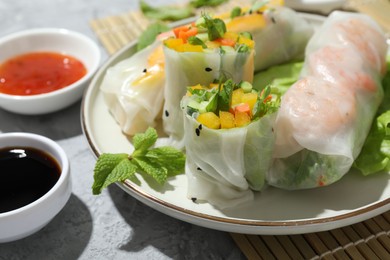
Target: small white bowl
49,40
24,221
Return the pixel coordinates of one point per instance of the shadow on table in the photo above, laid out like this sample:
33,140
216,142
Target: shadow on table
57,125
174,238
65,237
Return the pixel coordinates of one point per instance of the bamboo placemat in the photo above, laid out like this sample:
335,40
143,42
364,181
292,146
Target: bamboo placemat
366,240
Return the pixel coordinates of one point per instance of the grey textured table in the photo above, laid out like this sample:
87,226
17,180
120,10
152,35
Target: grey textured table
113,225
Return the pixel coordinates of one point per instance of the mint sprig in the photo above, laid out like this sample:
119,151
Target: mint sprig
159,162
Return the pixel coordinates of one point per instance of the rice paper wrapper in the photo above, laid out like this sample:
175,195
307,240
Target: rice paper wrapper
283,38
184,69
225,166
326,116
135,107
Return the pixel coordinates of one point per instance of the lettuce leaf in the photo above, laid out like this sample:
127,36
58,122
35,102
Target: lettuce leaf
375,154
279,77
166,12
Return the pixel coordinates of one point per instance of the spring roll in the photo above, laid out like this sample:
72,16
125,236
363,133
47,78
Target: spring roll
280,33
229,141
198,54
133,89
325,117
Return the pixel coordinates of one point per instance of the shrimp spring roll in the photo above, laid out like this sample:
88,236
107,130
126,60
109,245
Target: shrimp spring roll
229,141
133,89
280,34
198,54
325,117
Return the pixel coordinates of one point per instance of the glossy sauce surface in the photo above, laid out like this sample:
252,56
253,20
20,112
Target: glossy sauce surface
39,72
26,174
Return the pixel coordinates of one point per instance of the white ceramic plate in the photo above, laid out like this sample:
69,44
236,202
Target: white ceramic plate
274,211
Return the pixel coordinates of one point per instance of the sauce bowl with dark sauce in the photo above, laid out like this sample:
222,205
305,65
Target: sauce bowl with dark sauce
35,183
43,70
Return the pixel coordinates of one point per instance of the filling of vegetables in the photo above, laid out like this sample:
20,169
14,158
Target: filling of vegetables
228,105
208,34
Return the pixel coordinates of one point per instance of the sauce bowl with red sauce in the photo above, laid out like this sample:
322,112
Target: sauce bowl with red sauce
45,69
35,183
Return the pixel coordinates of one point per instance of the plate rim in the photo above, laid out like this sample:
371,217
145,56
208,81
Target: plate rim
215,222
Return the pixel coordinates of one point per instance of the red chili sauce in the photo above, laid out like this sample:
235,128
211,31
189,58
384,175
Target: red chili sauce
39,72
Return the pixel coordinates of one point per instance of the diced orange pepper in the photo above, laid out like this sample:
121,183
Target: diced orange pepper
187,34
267,99
241,119
179,29
226,42
243,108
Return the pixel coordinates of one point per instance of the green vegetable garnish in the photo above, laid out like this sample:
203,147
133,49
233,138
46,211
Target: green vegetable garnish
262,107
196,41
225,95
160,163
165,13
201,3
216,27
149,35
236,11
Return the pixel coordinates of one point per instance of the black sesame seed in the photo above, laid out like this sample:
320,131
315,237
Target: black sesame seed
197,131
208,69
145,70
199,169
194,199
166,113
200,127
273,20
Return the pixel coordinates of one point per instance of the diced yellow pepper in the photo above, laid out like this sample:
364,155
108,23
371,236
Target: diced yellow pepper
173,43
212,44
210,120
250,99
247,23
191,48
231,36
237,96
243,40
241,119
227,120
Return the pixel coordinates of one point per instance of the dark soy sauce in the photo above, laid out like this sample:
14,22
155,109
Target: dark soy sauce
26,174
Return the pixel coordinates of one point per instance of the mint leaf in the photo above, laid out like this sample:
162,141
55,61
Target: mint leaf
160,163
144,141
105,165
165,13
160,174
148,36
168,157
